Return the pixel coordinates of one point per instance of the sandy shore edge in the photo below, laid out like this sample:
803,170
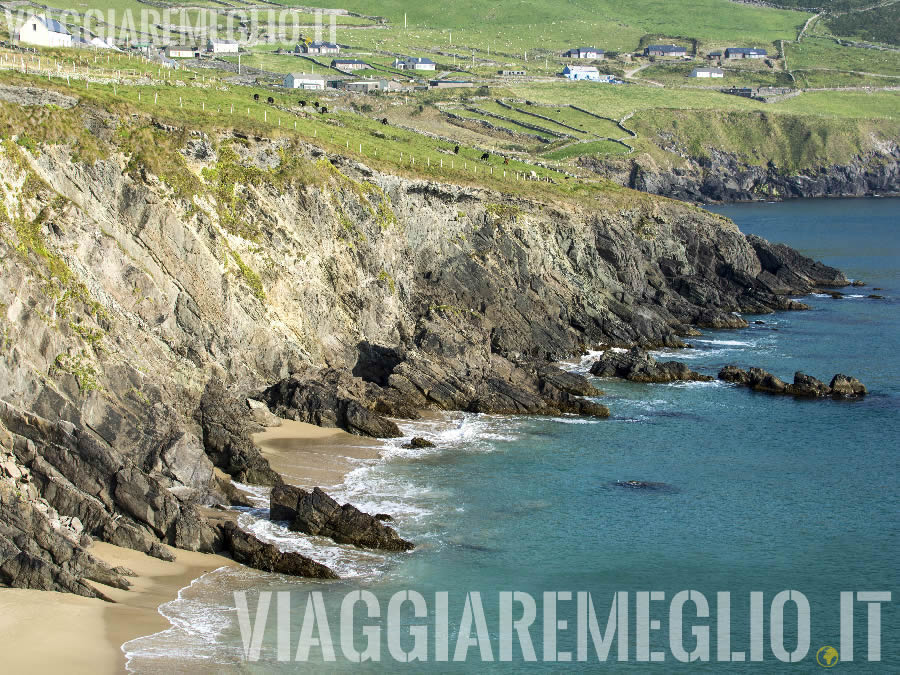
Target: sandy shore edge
49,632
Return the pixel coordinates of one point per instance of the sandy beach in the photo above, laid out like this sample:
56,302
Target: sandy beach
310,456
48,632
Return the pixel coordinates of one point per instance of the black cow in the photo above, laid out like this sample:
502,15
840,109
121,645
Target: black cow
486,156
316,103
302,104
323,110
456,150
270,100
384,121
255,97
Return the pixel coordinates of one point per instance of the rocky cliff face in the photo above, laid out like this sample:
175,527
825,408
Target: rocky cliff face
723,177
138,311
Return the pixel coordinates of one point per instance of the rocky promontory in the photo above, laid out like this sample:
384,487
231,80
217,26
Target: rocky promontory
148,290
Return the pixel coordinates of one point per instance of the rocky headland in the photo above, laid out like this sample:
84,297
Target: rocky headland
141,307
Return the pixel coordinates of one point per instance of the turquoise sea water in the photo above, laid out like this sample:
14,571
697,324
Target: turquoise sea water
767,493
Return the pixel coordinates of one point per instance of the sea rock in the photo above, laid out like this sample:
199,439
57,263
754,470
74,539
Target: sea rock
418,442
248,550
805,386
316,513
762,380
845,386
808,386
638,366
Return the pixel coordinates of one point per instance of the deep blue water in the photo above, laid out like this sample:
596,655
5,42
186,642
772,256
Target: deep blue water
767,493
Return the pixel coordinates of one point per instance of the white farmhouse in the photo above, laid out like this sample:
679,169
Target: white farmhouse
215,46
304,81
414,63
707,72
44,32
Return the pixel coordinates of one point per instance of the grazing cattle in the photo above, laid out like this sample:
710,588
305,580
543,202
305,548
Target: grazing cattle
323,110
506,160
316,103
384,121
270,100
302,104
255,97
485,156
456,150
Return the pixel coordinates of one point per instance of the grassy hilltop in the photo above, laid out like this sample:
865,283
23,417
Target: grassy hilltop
845,101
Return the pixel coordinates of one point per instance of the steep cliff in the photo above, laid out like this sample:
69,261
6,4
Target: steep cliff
146,293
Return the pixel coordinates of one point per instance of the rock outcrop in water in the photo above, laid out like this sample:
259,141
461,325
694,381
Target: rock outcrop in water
248,550
316,513
804,386
139,311
638,366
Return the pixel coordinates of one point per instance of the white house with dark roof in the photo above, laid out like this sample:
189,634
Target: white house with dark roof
665,50
414,63
584,73
348,64
584,53
44,32
317,47
745,53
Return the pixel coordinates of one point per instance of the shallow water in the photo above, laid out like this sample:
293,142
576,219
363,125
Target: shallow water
767,493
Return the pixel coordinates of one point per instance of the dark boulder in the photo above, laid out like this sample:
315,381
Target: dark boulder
316,513
808,386
638,366
734,374
762,380
418,442
329,398
248,550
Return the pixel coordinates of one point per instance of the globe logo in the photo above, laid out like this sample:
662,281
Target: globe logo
827,657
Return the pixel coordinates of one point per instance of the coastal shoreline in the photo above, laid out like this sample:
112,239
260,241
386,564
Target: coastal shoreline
88,633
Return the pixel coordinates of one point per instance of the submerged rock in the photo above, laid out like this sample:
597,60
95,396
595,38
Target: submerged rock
638,366
316,513
644,485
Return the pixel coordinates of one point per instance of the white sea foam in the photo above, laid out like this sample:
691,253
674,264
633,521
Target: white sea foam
730,343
